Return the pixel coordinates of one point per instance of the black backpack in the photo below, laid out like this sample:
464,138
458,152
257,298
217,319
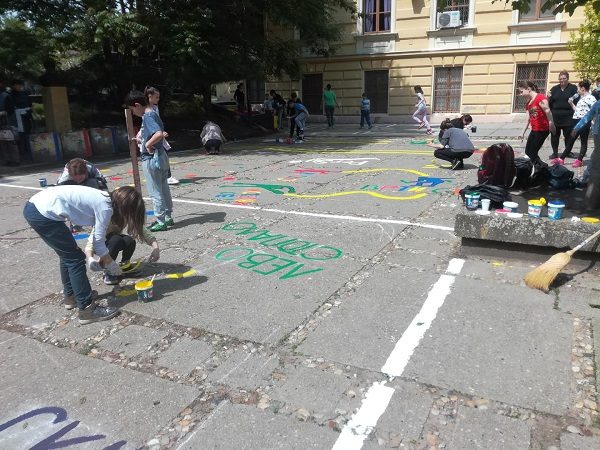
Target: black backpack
560,177
496,194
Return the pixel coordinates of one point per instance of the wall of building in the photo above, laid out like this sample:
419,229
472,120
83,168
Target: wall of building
489,63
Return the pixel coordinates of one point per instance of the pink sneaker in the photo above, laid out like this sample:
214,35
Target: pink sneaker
577,163
557,162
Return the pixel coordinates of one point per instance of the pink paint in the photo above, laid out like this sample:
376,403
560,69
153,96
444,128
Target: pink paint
115,178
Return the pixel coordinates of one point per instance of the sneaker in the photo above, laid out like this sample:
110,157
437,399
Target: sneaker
421,125
169,222
111,280
157,226
70,302
370,126
577,163
429,132
96,313
172,180
457,164
128,268
553,156
560,161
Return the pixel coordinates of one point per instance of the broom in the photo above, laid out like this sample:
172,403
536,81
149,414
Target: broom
542,277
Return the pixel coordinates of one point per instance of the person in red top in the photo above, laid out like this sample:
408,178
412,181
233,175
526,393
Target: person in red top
539,117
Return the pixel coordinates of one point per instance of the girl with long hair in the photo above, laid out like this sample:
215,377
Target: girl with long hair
420,115
539,117
47,211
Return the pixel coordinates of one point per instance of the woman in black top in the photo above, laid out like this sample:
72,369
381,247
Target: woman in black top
562,112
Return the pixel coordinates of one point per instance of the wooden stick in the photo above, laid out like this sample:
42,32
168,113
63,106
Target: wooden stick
591,238
133,149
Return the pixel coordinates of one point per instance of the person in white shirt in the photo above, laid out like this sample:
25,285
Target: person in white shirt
583,106
212,138
47,211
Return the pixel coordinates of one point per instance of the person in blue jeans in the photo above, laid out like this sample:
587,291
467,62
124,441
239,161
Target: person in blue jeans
591,176
365,111
299,118
47,211
155,161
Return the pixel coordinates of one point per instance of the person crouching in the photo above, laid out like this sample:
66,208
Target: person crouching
212,138
454,146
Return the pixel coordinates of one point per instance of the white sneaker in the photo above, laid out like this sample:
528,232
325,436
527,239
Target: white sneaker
172,180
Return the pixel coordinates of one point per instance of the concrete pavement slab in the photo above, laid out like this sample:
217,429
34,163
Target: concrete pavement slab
42,316
245,370
472,347
474,428
247,428
79,333
312,389
371,319
185,355
570,441
132,340
120,404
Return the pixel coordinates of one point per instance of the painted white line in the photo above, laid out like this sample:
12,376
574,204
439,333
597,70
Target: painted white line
283,211
362,423
378,396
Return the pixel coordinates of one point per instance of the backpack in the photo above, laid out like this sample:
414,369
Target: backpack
560,177
496,194
529,175
497,166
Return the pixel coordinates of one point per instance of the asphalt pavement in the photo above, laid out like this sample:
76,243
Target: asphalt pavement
310,295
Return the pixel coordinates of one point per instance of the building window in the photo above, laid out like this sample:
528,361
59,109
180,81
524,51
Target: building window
312,92
447,89
537,73
377,15
455,5
535,12
376,88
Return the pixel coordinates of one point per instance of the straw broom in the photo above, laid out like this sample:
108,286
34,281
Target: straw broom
542,277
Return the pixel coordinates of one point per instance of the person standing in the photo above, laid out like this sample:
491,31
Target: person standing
539,117
155,161
240,98
420,115
585,103
558,99
8,123
46,213
23,115
330,102
291,112
365,111
153,95
279,106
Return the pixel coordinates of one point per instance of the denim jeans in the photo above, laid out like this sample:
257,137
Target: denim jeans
365,116
329,110
300,122
71,258
158,188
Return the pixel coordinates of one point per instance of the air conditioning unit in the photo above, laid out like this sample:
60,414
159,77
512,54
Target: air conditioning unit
448,19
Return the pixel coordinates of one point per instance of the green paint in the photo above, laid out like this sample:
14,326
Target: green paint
278,267
303,245
219,256
274,188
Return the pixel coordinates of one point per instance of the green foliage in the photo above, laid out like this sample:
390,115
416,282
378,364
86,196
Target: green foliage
556,6
584,45
190,44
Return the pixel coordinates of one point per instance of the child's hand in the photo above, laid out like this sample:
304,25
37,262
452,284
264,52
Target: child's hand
154,255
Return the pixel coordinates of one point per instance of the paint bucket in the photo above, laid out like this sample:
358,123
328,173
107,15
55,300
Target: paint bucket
555,209
511,206
145,290
534,208
485,204
43,182
472,200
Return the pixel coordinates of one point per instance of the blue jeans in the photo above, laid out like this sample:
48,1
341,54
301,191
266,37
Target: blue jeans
71,259
365,116
300,121
158,188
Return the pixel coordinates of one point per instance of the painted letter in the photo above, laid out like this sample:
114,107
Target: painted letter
337,253
219,255
265,236
292,273
236,226
61,415
51,441
252,262
370,187
277,266
295,247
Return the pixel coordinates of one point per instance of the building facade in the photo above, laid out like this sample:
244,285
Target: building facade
467,55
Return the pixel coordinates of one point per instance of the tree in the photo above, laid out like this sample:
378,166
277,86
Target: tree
556,6
180,43
585,47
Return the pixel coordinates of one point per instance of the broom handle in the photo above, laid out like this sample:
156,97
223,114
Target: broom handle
591,238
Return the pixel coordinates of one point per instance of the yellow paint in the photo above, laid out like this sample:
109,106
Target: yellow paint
143,285
372,194
189,273
590,220
497,263
415,172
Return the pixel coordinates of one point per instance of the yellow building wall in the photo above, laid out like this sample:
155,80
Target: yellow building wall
489,66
